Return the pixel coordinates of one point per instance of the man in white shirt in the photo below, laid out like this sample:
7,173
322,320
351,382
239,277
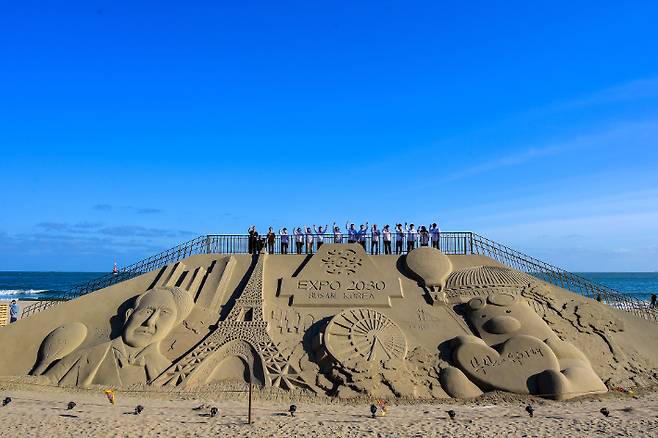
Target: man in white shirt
309,240
386,233
435,232
299,240
319,233
411,236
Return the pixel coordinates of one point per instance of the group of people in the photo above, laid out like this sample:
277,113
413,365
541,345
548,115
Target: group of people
312,238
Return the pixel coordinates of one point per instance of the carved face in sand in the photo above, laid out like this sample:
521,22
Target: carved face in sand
501,316
153,317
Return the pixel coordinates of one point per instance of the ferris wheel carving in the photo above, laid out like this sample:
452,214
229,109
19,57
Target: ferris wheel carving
364,335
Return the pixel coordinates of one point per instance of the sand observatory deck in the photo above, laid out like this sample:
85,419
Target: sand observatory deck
338,323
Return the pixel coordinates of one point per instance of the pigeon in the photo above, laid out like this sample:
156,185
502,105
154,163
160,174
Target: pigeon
605,412
6,401
530,410
70,406
373,410
452,414
214,411
139,409
292,410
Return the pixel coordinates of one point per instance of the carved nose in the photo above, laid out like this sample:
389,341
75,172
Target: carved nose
502,324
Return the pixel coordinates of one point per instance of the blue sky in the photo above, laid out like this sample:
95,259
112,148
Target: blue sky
128,127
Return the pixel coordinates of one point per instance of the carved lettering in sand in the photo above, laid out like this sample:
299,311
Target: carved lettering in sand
341,275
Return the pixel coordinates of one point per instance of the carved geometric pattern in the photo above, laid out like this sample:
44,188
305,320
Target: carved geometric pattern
364,335
342,261
278,371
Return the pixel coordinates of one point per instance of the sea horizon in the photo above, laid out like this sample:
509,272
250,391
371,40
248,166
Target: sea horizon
52,285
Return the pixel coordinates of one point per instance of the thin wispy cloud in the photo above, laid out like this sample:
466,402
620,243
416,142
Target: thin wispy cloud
622,135
640,89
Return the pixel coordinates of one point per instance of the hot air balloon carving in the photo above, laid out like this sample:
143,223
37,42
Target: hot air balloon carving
432,268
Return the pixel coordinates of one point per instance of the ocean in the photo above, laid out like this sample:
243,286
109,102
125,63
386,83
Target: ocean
53,285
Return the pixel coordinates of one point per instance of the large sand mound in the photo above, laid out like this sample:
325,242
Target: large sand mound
339,323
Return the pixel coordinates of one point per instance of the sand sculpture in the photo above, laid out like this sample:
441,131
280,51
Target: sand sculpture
339,323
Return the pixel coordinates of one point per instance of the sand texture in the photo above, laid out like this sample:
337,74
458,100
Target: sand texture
39,414
337,325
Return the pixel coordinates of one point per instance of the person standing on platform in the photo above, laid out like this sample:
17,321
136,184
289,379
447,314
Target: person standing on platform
386,234
253,239
374,242
338,236
309,240
14,311
299,240
411,237
399,239
362,234
351,232
424,236
271,238
319,234
435,232
284,240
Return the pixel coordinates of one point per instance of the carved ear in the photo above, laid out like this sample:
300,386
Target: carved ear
128,313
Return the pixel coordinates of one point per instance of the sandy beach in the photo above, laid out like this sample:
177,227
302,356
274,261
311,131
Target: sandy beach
38,413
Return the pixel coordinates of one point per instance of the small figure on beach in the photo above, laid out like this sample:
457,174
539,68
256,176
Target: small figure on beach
653,300
14,311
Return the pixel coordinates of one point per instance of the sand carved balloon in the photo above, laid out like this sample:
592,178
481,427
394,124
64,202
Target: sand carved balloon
432,267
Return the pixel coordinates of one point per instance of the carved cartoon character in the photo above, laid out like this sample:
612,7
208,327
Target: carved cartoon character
498,317
518,352
133,358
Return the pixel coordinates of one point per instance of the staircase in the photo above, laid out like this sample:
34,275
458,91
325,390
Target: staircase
452,243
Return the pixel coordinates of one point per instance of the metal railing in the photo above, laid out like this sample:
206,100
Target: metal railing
451,243
561,278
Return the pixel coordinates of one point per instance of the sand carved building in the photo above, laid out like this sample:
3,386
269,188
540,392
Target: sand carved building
338,323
